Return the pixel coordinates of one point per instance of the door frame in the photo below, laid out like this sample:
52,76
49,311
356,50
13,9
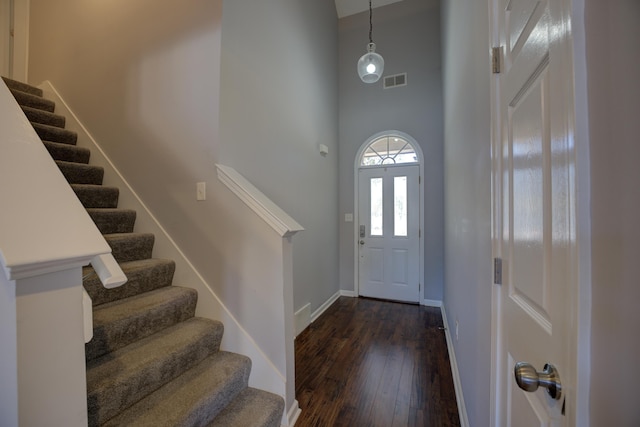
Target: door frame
356,184
18,48
579,298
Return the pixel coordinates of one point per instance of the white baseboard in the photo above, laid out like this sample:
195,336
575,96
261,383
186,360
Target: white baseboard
431,303
323,307
350,294
302,318
293,414
462,409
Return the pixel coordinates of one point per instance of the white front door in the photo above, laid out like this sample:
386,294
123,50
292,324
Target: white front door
388,232
535,230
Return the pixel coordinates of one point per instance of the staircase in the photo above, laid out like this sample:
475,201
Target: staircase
151,362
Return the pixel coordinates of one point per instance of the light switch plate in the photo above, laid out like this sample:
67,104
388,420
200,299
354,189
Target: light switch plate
201,191
348,217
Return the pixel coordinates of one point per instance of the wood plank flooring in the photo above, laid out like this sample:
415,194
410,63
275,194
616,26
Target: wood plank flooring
374,363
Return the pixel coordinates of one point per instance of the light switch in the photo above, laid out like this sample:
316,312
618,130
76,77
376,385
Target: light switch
348,217
201,191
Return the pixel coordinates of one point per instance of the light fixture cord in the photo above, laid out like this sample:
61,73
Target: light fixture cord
370,23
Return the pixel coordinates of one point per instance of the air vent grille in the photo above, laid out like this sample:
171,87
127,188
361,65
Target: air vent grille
396,80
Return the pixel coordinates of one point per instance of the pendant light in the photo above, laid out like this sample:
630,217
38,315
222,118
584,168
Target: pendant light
371,64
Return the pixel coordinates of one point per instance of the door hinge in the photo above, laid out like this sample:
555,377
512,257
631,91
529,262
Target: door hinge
496,60
497,271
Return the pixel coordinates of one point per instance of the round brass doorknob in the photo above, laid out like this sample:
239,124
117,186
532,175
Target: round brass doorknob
529,379
362,242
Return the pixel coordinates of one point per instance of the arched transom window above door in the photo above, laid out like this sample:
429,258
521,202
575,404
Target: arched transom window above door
389,150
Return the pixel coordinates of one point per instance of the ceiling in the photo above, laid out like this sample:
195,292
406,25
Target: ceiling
351,7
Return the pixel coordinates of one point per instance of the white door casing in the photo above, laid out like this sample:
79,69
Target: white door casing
534,209
5,37
388,236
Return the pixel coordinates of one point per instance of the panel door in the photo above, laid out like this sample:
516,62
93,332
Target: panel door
389,233
536,215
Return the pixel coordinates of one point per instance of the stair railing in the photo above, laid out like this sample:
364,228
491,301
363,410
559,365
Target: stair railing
46,237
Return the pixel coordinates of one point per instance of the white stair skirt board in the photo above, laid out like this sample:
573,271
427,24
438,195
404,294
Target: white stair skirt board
457,384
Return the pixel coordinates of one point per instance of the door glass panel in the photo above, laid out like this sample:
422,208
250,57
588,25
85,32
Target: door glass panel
376,206
400,206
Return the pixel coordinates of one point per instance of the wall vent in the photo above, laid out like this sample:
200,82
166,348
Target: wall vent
395,81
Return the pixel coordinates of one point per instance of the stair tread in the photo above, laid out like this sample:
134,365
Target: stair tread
143,276
195,397
96,196
113,220
43,117
33,101
123,377
55,134
251,408
130,246
23,87
122,322
81,173
67,152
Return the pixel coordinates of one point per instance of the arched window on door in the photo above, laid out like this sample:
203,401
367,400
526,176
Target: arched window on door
389,150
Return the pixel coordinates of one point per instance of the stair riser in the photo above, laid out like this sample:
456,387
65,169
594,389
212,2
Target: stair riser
81,174
131,247
97,196
44,117
54,134
139,281
67,153
111,336
113,220
23,87
33,101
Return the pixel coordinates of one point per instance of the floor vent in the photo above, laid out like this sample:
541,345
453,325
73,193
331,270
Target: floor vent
395,81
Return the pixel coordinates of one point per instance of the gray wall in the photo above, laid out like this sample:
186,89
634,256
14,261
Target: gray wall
171,88
407,35
278,103
613,67
467,137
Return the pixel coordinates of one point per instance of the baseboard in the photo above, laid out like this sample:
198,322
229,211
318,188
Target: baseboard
302,318
350,294
323,307
457,383
431,303
293,414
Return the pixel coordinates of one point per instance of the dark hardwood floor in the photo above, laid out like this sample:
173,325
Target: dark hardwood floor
373,363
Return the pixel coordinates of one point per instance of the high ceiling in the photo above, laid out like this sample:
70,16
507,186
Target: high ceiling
351,7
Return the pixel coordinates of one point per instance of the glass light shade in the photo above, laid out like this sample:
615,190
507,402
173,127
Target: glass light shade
370,65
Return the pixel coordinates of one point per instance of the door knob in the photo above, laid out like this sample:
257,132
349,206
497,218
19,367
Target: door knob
362,242
529,379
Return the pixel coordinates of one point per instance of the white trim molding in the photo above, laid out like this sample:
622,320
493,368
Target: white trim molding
431,303
316,314
271,213
457,383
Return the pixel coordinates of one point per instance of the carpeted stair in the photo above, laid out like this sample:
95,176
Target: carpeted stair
151,362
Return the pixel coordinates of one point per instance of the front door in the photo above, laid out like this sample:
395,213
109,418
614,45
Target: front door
535,230
388,233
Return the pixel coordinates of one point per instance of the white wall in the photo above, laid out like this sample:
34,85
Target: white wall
613,67
278,102
467,293
407,35
145,78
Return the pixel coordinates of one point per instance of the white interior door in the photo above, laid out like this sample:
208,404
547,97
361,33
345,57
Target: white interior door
388,238
534,223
